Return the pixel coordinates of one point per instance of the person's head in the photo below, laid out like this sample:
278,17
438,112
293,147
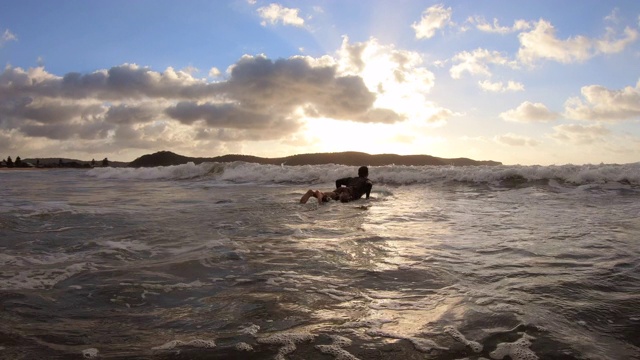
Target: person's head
345,197
363,171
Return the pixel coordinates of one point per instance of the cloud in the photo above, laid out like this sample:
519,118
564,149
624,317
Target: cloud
7,36
276,13
580,134
137,113
541,43
234,123
477,62
483,25
434,18
259,83
261,100
214,72
397,77
529,112
499,86
613,16
440,115
128,81
515,140
602,104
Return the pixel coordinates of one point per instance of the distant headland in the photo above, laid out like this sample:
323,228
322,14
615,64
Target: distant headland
349,158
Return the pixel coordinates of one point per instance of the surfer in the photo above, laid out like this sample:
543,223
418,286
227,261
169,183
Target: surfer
352,188
347,189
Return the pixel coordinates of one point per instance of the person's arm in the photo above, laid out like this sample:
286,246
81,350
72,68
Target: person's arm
343,181
368,187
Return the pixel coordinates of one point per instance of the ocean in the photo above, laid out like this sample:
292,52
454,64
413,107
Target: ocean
221,261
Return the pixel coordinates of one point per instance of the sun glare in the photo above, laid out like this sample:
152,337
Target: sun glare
328,135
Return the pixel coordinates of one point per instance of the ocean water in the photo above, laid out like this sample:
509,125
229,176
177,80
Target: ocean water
221,261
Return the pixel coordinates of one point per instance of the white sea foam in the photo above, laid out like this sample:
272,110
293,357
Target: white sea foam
420,344
517,350
287,340
243,346
177,172
240,172
90,353
251,330
457,335
336,350
196,343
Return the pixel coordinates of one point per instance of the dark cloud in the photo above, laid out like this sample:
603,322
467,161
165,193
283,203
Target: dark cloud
131,114
257,82
219,115
259,101
86,131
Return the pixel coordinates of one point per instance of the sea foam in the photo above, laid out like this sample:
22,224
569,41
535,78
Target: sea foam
248,173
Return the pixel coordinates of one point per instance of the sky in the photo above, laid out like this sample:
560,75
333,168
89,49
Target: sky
521,82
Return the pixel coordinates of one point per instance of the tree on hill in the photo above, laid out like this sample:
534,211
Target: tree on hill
18,162
9,162
105,162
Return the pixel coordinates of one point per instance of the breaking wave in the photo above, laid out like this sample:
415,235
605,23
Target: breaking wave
241,172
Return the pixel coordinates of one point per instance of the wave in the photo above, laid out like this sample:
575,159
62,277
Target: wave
242,172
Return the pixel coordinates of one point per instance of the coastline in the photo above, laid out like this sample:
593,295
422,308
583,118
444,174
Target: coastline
349,158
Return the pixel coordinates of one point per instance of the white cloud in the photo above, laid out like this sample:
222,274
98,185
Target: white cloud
542,43
602,104
515,140
499,86
441,115
397,77
275,13
7,36
190,70
613,16
477,62
483,25
214,72
609,44
529,112
433,18
580,134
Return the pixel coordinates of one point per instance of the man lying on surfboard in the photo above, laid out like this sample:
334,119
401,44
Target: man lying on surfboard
347,189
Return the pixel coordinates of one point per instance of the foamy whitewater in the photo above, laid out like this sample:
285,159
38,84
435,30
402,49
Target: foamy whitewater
221,261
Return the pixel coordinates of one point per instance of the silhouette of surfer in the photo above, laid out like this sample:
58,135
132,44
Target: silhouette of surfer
347,189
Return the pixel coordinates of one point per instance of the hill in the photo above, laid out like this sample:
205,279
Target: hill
351,158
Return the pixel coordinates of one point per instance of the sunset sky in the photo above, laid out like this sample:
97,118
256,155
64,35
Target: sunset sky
521,82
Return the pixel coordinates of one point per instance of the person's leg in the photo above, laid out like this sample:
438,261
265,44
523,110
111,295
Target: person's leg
306,196
331,195
319,195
